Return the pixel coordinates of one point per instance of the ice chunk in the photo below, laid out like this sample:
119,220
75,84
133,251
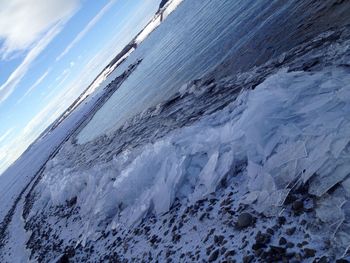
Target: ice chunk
322,99
259,180
285,154
338,145
320,184
329,210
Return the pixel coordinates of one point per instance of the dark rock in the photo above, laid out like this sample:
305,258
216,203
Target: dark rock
290,245
72,201
209,250
298,206
261,240
282,241
154,239
342,260
308,65
275,250
290,231
245,220
213,200
309,253
304,243
230,253
214,256
248,259
244,245
202,216
223,250
64,259
281,220
270,231
323,259
210,208
218,239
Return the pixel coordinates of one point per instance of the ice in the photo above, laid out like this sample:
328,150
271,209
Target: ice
286,154
332,175
329,210
284,131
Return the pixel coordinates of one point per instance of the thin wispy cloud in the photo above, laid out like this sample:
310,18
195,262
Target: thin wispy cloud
14,148
6,135
16,76
87,28
35,85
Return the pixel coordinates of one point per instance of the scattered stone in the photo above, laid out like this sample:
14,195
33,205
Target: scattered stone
230,253
223,250
298,206
248,259
291,231
323,259
270,231
261,240
309,253
281,220
245,220
290,245
282,241
244,245
214,256
218,240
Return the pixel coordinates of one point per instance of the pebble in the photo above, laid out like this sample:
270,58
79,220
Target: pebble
290,231
245,220
282,241
298,206
248,259
214,256
309,253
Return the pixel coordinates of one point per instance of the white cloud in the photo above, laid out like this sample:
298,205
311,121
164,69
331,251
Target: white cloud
87,28
23,22
36,48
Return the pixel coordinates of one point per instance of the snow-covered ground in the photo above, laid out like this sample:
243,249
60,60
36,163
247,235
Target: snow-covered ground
16,180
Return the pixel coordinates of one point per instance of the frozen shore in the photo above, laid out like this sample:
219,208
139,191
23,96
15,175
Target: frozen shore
173,182
248,166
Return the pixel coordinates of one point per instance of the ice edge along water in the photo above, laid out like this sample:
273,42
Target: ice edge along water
294,127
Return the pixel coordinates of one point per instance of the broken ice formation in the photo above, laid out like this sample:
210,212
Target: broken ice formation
294,127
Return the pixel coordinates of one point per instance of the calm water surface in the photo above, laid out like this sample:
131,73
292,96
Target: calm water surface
194,39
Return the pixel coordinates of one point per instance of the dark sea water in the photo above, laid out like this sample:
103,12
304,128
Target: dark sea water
201,36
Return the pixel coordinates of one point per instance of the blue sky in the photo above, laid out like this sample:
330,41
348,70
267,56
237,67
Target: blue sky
50,51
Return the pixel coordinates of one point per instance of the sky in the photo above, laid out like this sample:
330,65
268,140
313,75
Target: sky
50,51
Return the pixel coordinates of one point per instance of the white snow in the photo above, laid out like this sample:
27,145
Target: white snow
24,170
157,20
295,126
